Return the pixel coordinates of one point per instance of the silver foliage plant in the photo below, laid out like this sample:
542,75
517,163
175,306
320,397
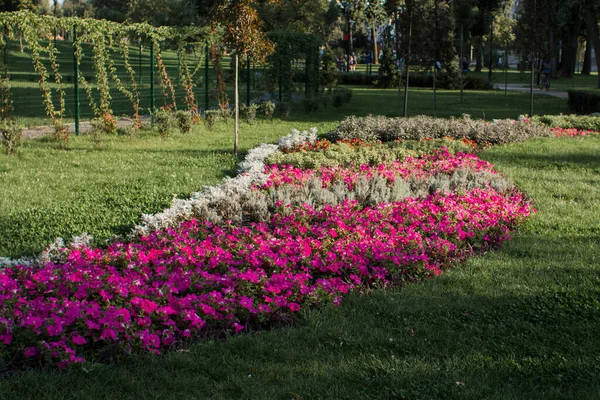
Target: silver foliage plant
377,127
296,138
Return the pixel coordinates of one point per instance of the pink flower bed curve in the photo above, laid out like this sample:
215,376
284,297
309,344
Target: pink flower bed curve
174,285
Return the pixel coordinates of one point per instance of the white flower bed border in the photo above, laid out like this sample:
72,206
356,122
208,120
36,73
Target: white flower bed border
250,172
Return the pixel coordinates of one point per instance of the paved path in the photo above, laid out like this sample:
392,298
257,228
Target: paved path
517,87
38,131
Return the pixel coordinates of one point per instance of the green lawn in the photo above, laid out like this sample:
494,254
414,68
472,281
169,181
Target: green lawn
518,323
47,192
578,82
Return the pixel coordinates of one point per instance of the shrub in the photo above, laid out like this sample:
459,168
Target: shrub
477,83
357,79
584,122
284,109
341,96
211,117
61,134
11,135
248,113
328,75
128,130
163,119
373,128
311,103
388,75
581,102
267,109
184,121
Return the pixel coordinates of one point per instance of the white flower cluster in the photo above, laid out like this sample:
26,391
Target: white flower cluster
296,138
201,203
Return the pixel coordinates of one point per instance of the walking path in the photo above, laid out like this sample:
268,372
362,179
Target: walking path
84,126
517,87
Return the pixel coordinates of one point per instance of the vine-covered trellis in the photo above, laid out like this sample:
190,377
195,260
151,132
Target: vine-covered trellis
107,40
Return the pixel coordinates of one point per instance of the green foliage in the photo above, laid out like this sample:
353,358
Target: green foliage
284,109
289,46
373,128
477,83
312,103
584,122
267,109
358,79
211,117
345,154
184,121
164,121
389,76
582,102
248,113
342,154
341,96
329,75
11,135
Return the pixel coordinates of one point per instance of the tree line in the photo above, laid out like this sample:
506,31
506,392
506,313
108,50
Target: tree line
552,32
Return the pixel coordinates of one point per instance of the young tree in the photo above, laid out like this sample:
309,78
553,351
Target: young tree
375,16
592,11
244,35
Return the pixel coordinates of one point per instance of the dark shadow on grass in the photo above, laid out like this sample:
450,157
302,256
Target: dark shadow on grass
588,160
428,341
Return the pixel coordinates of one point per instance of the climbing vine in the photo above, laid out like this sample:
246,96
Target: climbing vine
187,80
103,37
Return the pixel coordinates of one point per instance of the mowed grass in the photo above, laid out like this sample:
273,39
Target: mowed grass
518,323
49,193
578,82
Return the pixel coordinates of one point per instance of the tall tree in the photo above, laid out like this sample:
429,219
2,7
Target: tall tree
375,16
243,35
592,11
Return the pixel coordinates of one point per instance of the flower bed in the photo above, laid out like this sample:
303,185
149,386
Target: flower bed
256,250
197,279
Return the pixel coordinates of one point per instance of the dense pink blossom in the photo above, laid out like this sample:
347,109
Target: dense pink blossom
573,132
439,162
198,279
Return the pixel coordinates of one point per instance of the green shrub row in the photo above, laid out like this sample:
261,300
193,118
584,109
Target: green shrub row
374,128
338,96
584,122
581,102
419,80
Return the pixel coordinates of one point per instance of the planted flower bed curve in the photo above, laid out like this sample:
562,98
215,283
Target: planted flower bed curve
262,246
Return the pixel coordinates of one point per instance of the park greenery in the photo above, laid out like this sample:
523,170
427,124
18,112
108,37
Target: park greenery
384,222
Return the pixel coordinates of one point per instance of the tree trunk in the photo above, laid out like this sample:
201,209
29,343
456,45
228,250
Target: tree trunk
375,59
236,103
491,66
569,56
587,57
350,44
478,55
592,21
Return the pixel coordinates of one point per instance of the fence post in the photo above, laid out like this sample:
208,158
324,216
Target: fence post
306,73
434,91
152,99
76,82
317,67
248,81
140,62
280,79
207,56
